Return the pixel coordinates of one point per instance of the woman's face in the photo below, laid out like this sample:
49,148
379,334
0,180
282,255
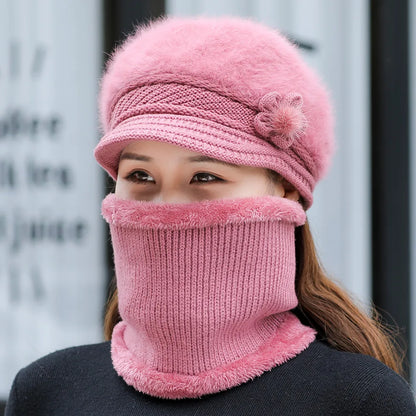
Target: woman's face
163,172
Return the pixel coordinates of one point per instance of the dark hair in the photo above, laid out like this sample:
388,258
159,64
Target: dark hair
328,308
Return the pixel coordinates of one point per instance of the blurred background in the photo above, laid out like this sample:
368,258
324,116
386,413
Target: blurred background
55,260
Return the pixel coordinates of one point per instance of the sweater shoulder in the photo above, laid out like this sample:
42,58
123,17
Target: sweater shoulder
370,386
72,356
58,374
363,369
68,362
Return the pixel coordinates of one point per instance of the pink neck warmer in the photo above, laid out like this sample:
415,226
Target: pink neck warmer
205,290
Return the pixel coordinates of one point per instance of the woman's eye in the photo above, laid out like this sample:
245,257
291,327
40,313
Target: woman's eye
205,177
140,176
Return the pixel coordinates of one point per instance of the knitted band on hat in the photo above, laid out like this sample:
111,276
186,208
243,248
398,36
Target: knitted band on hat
203,121
175,98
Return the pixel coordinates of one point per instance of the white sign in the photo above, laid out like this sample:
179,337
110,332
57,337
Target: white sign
51,237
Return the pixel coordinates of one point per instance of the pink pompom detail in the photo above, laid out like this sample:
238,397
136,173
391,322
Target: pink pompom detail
281,119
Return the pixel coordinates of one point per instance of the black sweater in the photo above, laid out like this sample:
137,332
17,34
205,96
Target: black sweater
320,381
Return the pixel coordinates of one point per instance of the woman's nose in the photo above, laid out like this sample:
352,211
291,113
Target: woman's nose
172,196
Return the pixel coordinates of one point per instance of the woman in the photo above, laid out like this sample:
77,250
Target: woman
216,133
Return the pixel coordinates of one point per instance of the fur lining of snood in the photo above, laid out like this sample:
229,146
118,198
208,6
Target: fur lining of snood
151,215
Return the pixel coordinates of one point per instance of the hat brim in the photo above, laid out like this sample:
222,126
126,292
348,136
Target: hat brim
202,136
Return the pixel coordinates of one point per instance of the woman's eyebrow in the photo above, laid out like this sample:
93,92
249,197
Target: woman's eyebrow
203,158
135,156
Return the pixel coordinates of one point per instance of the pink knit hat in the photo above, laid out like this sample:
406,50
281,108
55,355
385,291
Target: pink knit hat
229,88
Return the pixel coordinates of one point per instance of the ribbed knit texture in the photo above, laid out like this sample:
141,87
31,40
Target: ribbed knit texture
174,98
205,300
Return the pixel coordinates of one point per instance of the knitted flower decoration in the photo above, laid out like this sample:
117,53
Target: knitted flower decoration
281,119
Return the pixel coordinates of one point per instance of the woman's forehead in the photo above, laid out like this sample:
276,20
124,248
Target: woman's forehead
146,150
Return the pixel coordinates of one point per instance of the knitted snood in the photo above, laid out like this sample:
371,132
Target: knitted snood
205,290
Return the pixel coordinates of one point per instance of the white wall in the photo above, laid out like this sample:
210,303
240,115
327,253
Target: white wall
51,250
340,216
